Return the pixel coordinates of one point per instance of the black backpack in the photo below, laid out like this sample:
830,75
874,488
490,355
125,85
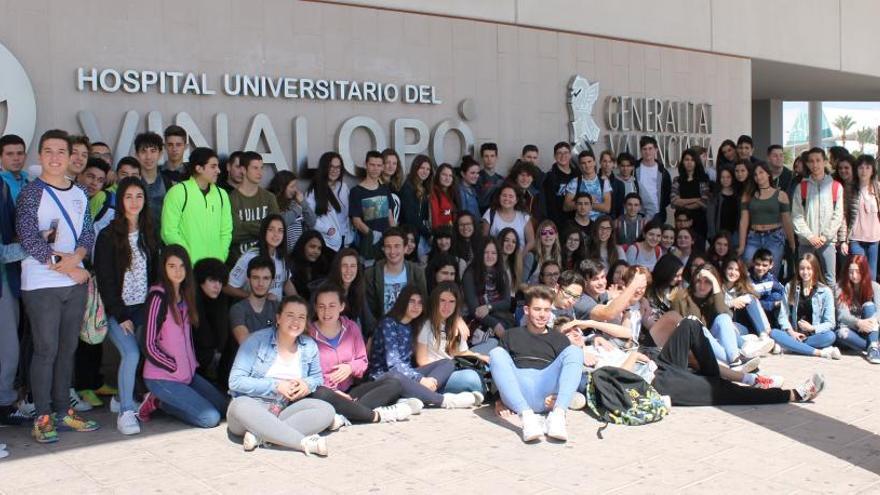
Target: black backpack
615,395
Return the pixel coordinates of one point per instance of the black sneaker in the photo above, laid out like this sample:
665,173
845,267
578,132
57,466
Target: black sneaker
11,416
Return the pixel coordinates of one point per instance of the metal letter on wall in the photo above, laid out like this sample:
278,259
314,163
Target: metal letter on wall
195,135
444,127
398,136
343,139
581,97
300,144
261,127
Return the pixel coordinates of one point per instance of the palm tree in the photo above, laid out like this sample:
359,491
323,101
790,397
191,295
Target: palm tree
864,136
844,123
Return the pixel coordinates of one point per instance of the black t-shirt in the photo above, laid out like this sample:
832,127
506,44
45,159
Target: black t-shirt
533,351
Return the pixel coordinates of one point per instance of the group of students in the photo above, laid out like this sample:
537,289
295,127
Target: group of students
291,312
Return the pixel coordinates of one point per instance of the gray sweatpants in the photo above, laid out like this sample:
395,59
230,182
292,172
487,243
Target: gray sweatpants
56,316
302,418
8,345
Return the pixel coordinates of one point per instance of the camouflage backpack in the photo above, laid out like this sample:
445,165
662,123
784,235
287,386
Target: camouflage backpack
615,395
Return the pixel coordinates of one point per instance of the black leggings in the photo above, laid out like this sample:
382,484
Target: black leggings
707,388
368,396
439,370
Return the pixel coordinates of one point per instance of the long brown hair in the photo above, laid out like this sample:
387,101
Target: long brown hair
187,287
119,227
354,297
743,285
398,311
422,188
797,282
450,325
396,180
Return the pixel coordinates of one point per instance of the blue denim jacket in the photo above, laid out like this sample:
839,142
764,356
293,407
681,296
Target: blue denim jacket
255,357
469,200
823,309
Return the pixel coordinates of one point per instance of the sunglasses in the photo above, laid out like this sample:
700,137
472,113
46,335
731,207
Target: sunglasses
548,232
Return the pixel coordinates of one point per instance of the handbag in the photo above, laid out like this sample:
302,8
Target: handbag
94,326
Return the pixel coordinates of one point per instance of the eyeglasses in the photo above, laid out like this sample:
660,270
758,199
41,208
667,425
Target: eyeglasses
569,295
548,232
606,228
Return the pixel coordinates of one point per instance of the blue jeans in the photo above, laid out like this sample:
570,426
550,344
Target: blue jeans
808,347
851,337
869,250
126,344
524,389
752,318
725,339
463,381
773,241
197,403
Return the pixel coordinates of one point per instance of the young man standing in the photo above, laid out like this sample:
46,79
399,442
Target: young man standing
469,174
534,362
10,292
370,207
12,157
560,174
54,281
79,155
631,223
234,172
489,178
583,209
197,214
388,277
654,182
781,176
250,205
148,148
102,151
745,146
530,154
817,214
589,182
175,147
257,311
102,204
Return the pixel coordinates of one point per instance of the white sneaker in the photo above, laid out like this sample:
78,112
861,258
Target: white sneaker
462,400
77,403
250,442
830,353
338,422
532,426
578,402
127,423
756,347
810,389
415,405
556,425
115,405
28,409
392,414
745,366
4,453
314,444
777,349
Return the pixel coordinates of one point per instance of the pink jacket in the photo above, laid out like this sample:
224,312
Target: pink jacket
169,345
349,350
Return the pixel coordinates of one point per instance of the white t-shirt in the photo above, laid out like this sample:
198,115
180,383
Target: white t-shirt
286,369
497,224
334,225
436,351
648,177
134,281
238,275
647,258
36,275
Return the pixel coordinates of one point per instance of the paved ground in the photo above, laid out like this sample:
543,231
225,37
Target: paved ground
831,446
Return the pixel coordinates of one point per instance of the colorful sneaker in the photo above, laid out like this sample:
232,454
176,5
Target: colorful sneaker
147,407
91,397
44,430
78,404
768,381
74,422
107,390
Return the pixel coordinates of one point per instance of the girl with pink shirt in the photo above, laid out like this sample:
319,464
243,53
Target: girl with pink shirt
344,361
170,367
